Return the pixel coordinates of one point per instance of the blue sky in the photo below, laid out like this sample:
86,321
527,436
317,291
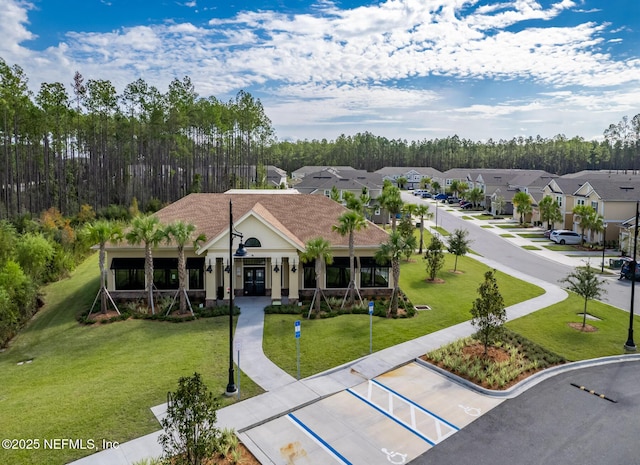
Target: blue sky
409,69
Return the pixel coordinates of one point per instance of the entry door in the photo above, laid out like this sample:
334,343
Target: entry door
254,281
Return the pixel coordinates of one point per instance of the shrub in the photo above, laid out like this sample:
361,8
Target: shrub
189,433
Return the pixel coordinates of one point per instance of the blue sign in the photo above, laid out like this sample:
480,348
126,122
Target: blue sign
297,328
371,308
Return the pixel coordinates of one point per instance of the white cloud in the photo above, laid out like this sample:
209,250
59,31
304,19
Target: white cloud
332,65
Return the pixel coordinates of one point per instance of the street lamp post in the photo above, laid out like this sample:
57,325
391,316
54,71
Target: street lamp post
604,241
630,345
241,252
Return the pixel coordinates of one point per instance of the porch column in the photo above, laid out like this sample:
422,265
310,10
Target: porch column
210,278
294,278
276,278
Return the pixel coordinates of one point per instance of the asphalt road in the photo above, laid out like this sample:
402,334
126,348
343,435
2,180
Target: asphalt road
555,423
490,245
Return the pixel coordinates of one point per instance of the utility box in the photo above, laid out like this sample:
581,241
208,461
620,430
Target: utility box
615,263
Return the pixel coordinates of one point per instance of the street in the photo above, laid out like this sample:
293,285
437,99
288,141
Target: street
491,245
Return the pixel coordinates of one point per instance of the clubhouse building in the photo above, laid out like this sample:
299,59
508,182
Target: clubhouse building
273,227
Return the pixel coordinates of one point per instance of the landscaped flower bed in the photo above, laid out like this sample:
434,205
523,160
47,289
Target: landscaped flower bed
505,363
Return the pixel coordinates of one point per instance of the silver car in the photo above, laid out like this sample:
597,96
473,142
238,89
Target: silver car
564,236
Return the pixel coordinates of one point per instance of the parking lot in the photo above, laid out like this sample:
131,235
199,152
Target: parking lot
393,418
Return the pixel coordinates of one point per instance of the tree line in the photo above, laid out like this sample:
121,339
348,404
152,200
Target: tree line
619,150
99,148
86,144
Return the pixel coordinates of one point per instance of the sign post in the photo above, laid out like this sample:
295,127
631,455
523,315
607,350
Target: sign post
237,343
371,327
297,332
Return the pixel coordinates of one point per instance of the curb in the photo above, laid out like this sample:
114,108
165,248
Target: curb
532,380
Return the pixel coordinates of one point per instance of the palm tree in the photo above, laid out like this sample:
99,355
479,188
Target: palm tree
401,182
317,249
475,196
585,214
455,187
391,200
425,183
349,223
550,211
423,212
392,251
597,225
180,233
522,201
148,231
100,232
435,185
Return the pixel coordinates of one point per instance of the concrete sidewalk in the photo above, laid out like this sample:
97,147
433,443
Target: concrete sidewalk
285,394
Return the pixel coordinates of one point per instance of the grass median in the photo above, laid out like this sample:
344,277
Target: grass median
98,382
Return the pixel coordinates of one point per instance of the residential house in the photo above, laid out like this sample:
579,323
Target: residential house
611,194
504,184
413,175
354,181
300,173
273,227
276,177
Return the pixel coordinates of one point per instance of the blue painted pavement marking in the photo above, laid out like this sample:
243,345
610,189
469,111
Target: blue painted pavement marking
319,440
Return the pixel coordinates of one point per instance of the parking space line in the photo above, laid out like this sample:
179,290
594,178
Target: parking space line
418,406
391,417
321,442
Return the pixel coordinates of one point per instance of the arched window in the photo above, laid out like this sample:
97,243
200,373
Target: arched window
252,242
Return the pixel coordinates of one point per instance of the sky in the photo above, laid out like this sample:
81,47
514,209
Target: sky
402,69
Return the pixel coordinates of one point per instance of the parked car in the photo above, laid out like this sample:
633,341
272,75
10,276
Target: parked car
466,206
441,197
548,232
453,200
418,192
426,195
564,236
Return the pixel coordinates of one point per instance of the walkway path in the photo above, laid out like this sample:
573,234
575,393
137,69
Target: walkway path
285,394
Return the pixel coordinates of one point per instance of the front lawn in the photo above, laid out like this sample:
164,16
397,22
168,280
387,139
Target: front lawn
326,343
99,382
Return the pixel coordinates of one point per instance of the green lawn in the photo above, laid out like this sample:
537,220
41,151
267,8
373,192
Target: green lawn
549,328
561,248
530,247
487,226
331,342
99,382
483,216
507,236
532,235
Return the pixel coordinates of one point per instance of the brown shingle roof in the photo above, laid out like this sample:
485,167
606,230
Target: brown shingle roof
300,217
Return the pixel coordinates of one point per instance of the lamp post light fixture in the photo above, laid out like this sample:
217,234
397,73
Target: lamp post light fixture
630,345
241,252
